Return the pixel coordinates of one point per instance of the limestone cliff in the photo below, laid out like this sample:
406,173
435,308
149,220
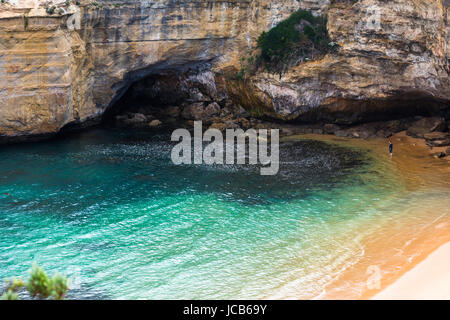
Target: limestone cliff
393,58
66,62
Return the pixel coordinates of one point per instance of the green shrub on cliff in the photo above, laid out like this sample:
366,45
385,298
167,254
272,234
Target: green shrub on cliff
300,37
39,285
50,10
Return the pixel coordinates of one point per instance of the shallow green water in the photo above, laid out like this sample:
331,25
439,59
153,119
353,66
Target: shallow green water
109,209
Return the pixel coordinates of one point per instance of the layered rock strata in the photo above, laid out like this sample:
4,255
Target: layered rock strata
65,62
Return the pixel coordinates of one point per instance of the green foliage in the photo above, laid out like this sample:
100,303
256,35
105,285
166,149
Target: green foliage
300,37
39,285
9,295
25,21
11,289
246,67
50,10
59,287
241,73
16,284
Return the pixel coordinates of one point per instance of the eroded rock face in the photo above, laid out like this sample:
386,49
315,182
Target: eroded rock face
69,66
393,55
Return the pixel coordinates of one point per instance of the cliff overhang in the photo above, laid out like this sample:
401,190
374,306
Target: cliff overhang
68,65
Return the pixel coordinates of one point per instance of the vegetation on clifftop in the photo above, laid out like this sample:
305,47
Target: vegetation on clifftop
299,38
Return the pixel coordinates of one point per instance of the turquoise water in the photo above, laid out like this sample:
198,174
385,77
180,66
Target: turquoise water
110,210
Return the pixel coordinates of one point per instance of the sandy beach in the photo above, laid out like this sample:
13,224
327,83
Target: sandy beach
413,258
427,275
430,279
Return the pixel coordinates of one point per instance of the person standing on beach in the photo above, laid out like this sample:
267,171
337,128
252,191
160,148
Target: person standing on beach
391,146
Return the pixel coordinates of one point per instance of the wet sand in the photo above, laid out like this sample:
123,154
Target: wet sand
403,244
430,279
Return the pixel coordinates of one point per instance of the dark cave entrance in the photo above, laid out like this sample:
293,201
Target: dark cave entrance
168,95
175,97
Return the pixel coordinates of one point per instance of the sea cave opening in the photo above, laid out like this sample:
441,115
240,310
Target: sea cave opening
169,96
